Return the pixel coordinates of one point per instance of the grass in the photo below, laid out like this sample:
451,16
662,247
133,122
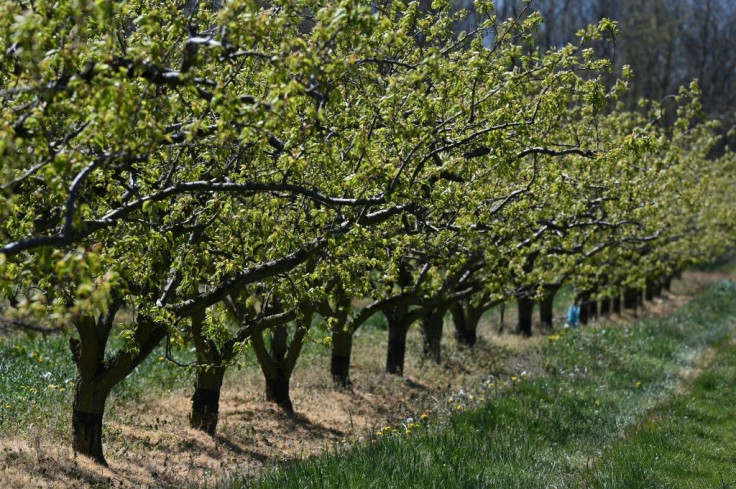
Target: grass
37,378
542,431
688,442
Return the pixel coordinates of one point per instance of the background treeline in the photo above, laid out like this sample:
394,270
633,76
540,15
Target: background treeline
667,43
241,176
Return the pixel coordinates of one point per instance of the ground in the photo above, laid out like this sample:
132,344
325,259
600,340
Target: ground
148,441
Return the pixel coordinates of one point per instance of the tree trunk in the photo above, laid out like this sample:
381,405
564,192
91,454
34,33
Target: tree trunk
649,291
546,307
593,309
583,300
96,376
88,410
501,313
526,310
396,351
397,331
667,284
277,390
616,304
631,298
342,347
278,364
206,399
657,287
277,383
432,324
208,379
605,306
465,327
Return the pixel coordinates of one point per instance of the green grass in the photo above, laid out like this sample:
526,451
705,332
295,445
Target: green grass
544,431
37,382
35,379
688,442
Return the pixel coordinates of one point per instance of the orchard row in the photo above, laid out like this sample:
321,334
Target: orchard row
226,175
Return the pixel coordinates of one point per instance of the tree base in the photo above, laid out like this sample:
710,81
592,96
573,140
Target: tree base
205,410
277,391
340,370
466,337
87,435
395,357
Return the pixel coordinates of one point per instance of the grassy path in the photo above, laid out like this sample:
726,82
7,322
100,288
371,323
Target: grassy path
688,442
588,421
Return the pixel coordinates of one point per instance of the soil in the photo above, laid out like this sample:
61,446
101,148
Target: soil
149,444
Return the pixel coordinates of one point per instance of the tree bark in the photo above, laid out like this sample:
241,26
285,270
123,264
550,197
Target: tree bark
631,298
657,287
96,376
88,410
342,347
398,327
583,300
605,306
593,309
526,311
466,323
206,399
501,313
277,380
649,291
396,350
667,284
278,364
432,323
208,379
277,390
616,304
546,307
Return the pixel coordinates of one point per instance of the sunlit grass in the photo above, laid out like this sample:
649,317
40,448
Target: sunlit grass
688,442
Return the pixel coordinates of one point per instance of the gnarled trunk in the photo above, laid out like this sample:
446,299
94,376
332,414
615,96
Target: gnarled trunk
278,364
208,379
649,291
396,350
278,379
342,347
398,327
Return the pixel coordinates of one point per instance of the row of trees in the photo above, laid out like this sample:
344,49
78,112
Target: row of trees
231,173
